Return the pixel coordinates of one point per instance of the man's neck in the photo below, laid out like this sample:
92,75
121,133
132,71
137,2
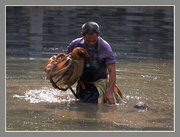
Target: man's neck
89,46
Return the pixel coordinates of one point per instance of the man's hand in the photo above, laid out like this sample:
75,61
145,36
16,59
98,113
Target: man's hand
112,80
109,97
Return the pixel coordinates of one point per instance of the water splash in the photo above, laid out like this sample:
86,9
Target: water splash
46,94
128,97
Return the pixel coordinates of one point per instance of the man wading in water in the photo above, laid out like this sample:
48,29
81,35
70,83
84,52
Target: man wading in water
94,85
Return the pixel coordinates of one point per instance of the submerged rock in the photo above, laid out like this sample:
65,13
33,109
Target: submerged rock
141,105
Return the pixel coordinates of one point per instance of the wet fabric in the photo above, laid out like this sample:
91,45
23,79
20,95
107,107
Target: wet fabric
96,91
94,68
101,86
65,69
89,94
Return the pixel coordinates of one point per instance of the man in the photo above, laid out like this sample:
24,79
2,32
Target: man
93,86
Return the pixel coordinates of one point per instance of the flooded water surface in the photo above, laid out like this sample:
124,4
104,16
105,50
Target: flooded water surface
33,104
142,41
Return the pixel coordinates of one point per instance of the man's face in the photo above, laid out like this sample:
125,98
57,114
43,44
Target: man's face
90,40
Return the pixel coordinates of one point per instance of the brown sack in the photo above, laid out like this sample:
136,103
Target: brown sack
65,69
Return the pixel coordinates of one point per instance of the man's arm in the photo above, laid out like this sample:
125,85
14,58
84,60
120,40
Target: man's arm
112,80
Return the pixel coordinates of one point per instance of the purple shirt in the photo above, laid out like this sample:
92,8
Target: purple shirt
104,50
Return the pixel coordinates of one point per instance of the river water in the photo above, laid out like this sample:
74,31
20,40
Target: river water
142,40
33,104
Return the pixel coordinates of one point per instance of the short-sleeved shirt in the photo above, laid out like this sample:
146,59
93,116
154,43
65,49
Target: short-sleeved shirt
104,50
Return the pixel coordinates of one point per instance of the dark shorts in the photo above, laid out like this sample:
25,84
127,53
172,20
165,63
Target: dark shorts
89,94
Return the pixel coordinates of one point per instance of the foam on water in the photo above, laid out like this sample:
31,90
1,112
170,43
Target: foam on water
46,94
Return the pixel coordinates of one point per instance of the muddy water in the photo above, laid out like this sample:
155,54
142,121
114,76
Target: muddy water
32,103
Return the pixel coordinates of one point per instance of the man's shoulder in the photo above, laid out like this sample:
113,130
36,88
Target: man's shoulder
74,43
77,40
103,43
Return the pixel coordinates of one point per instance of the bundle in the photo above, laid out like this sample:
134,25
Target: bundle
65,69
